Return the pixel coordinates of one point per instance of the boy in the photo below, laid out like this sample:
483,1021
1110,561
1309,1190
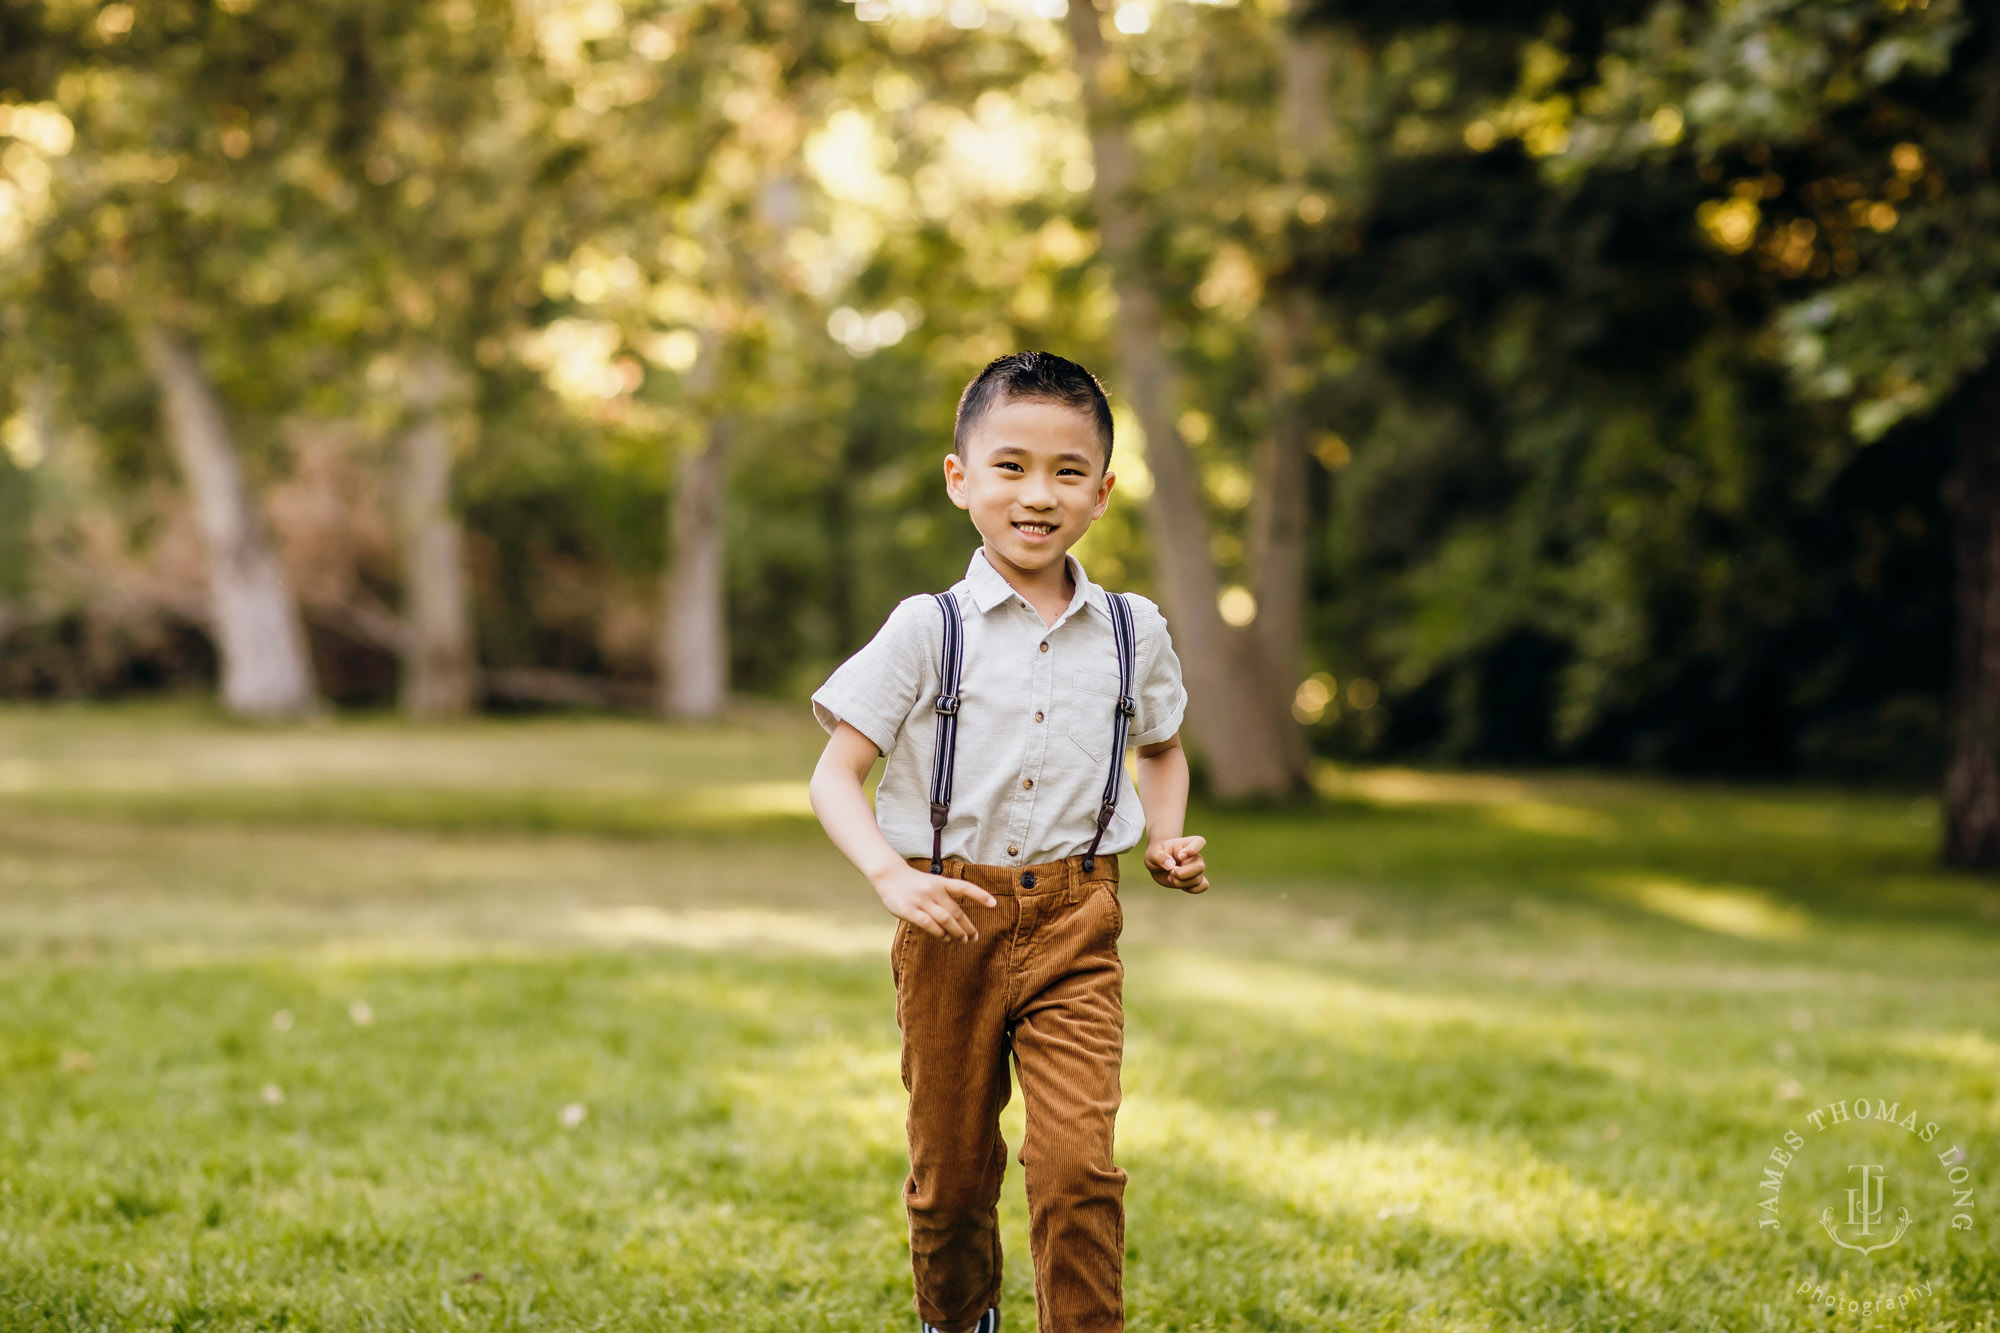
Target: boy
1014,946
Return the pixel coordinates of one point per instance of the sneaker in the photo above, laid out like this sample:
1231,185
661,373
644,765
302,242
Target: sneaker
988,1323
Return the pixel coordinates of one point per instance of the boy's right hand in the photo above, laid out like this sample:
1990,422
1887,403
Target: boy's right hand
930,902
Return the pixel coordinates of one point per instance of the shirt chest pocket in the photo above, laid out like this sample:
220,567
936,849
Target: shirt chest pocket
1093,710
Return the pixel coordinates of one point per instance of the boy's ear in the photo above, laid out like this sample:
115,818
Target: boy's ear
954,480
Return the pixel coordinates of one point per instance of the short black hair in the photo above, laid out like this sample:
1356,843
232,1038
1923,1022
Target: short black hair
1040,377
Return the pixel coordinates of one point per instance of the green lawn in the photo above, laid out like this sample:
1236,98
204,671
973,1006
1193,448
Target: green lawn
580,1024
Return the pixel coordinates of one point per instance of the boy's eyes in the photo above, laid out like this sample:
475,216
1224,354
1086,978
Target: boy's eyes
1017,467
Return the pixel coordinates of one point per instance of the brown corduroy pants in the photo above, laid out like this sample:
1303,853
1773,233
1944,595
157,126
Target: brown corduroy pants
1044,981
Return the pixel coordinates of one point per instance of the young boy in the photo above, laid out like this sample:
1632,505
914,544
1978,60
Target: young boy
1014,946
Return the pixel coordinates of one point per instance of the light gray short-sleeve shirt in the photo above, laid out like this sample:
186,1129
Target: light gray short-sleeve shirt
1034,722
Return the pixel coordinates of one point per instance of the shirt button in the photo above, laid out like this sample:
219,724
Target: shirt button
1045,645
1027,782
1038,715
1013,851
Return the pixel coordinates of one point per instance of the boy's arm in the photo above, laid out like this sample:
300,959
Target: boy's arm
924,900
1173,860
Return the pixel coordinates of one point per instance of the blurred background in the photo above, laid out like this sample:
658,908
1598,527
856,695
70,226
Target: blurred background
443,442
1495,383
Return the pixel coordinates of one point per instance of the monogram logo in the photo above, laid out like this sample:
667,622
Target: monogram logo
1864,1212
1887,1189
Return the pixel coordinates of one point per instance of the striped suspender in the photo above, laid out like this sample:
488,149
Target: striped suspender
1121,630
945,752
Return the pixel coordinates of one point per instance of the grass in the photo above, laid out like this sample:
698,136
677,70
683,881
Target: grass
580,1024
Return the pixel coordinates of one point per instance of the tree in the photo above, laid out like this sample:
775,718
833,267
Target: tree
1861,140
150,206
448,200
1238,684
694,636
320,196
439,666
688,197
265,670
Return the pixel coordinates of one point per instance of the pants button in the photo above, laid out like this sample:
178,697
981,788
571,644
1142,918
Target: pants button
1027,879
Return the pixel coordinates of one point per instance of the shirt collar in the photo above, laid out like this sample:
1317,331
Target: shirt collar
989,588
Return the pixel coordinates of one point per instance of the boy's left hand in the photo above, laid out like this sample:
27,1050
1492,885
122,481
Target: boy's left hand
1177,863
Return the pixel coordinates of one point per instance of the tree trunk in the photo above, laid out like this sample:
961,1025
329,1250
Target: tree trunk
20,456
1278,508
1972,765
439,671
694,650
1243,726
843,561
1279,516
265,668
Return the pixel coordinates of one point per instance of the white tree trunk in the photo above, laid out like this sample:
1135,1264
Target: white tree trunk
266,671
439,671
694,646
1242,724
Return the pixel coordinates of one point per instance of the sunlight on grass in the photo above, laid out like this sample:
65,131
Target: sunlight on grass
1563,821
724,799
732,928
848,1094
1727,910
1499,1192
1406,786
1971,1049
1305,999
1508,803
1438,1053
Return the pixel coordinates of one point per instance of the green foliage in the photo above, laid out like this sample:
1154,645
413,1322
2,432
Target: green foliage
1594,508
1584,514
16,509
1588,286
1881,120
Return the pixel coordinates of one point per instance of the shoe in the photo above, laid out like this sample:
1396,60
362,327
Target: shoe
988,1323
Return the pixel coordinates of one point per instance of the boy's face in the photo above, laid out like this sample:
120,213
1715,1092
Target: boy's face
1034,481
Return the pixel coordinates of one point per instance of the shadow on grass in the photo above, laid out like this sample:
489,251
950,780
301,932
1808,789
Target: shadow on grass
1306,1152
1751,870
734,812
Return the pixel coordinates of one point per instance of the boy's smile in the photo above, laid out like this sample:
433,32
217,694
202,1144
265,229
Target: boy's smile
1034,480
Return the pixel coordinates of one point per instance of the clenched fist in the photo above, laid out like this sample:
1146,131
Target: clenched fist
1177,863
